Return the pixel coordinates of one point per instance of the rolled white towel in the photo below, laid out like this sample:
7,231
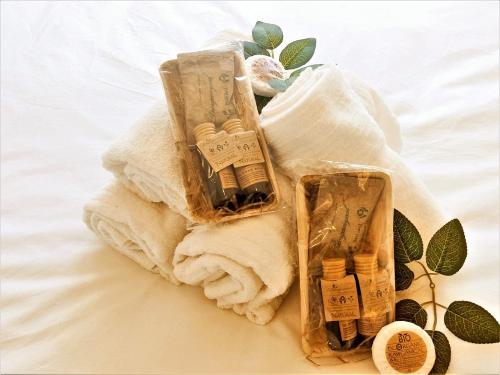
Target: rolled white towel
247,265
146,232
321,117
145,160
370,98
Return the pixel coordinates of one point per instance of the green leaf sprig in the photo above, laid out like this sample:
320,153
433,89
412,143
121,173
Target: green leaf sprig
267,37
445,255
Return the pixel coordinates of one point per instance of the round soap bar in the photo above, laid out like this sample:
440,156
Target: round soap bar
403,348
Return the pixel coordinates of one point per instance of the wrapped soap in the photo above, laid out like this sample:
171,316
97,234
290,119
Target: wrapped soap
227,171
346,259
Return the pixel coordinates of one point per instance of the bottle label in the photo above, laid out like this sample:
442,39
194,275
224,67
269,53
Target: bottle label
248,148
348,329
370,326
251,174
228,179
406,352
340,299
375,292
219,150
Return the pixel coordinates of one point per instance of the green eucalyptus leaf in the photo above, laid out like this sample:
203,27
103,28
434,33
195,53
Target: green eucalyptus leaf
472,323
297,72
411,311
408,245
443,352
252,49
261,102
404,276
267,35
447,249
298,53
279,84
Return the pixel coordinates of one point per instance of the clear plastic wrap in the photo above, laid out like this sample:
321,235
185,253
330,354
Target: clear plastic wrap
227,171
346,257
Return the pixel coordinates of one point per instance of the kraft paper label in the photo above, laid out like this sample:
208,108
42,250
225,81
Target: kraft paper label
340,299
370,326
249,149
375,292
251,174
219,150
228,179
348,329
406,352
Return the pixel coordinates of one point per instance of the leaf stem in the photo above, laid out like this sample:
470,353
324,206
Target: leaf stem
272,53
433,287
437,304
424,275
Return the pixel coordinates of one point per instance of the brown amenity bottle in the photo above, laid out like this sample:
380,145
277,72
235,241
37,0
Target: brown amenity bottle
366,267
252,178
341,334
222,186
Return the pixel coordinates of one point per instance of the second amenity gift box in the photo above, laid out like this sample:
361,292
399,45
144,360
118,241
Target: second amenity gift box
227,171
346,260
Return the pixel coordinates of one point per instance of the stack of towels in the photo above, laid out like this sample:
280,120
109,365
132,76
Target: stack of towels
249,264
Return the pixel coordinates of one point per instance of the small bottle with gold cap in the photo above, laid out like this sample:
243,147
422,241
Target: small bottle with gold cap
222,186
250,170
340,303
375,291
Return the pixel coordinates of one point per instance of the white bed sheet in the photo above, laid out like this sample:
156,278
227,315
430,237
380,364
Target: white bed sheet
76,75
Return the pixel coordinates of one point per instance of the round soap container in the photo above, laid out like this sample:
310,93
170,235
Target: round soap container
403,347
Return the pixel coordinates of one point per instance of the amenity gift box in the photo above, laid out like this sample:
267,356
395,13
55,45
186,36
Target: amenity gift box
346,260
227,171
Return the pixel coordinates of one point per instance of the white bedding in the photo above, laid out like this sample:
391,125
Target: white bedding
76,75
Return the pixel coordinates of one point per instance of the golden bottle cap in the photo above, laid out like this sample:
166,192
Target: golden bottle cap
233,126
365,263
333,268
203,130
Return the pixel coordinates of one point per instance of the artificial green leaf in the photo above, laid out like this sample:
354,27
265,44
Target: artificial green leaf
279,84
297,72
404,276
298,53
443,352
472,323
252,49
411,311
447,249
261,102
267,35
408,245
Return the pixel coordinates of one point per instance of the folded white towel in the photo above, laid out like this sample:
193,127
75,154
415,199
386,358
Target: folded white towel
146,232
321,117
145,160
247,265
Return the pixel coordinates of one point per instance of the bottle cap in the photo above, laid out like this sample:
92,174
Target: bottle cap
333,268
365,263
233,126
203,130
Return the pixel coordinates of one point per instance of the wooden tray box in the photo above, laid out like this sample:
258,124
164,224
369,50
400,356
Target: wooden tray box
199,205
380,233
